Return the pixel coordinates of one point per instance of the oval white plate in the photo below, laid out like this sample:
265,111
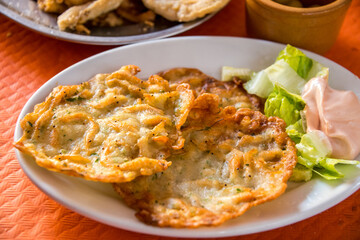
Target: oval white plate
98,200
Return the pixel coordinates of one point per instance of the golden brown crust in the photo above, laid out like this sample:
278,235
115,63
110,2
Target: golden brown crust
52,6
78,15
234,161
193,157
230,93
112,129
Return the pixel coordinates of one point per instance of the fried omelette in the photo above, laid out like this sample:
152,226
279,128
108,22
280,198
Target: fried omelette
183,149
231,161
110,129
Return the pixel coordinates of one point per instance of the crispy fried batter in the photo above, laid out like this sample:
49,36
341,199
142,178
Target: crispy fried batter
97,13
118,128
76,16
111,129
184,10
74,2
135,11
236,161
230,93
52,6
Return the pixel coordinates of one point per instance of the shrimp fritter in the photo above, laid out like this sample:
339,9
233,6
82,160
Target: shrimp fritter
182,148
230,162
110,129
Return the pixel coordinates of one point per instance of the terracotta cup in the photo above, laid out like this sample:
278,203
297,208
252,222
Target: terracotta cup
315,28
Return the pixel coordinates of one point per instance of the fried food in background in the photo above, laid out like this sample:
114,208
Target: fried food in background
111,129
184,10
51,6
136,12
231,161
78,15
75,17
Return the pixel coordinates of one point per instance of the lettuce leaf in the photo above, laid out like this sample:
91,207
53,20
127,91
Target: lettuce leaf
227,73
318,70
328,170
313,147
285,105
291,70
259,84
301,173
297,60
314,152
296,131
282,84
282,74
288,107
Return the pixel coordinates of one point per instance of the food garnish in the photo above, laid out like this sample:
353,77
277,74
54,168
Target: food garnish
282,85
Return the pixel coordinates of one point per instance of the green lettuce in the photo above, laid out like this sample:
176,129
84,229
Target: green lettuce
313,153
296,60
288,107
259,84
284,104
227,73
301,173
313,148
296,131
291,70
282,74
282,84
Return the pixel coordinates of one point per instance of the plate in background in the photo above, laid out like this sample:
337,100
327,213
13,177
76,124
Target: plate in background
99,201
26,13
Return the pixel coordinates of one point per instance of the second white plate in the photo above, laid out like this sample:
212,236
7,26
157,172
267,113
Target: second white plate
26,13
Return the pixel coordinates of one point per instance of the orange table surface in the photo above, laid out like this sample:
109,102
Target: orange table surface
28,60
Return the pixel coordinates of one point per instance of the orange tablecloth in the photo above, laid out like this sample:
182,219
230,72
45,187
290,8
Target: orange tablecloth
28,60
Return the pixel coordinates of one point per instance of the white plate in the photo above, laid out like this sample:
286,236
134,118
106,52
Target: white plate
98,201
29,15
